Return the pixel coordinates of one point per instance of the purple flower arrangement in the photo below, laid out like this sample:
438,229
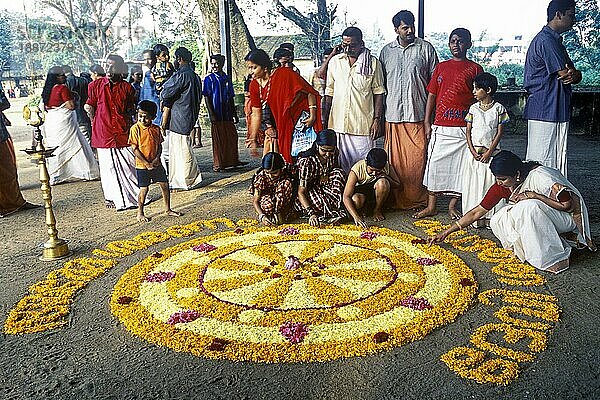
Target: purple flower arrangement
158,277
416,303
368,235
292,263
204,248
289,231
294,331
181,317
427,261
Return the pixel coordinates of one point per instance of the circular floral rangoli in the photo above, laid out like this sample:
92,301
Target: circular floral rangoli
295,293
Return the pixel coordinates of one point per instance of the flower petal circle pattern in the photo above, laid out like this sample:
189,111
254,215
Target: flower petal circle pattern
344,292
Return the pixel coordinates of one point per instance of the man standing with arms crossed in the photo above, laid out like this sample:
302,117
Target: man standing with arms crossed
408,63
549,74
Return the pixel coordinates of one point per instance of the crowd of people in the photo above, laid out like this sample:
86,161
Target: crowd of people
440,123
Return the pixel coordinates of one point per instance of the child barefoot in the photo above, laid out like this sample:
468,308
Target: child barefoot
145,139
450,94
485,125
368,181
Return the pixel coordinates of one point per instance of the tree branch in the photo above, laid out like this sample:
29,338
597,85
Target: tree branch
294,15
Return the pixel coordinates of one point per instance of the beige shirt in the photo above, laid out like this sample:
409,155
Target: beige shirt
360,169
352,106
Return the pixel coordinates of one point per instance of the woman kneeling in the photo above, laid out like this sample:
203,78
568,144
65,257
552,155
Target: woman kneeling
272,190
321,182
545,216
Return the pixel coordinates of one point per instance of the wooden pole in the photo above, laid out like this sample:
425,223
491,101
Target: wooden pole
421,18
225,33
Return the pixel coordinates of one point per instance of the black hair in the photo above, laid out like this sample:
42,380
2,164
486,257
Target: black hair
135,68
159,48
67,69
51,79
506,163
184,54
247,81
149,107
119,67
220,58
403,16
287,45
272,161
326,137
260,57
282,52
354,32
560,6
327,51
486,81
377,158
463,33
97,69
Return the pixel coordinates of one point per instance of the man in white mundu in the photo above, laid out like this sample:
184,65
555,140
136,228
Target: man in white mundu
110,106
181,96
353,103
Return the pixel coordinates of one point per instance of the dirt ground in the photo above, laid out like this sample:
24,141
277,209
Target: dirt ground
94,357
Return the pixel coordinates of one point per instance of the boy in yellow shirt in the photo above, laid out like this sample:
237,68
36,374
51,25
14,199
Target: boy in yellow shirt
145,139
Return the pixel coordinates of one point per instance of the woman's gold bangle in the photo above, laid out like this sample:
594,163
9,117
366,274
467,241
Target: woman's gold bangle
458,225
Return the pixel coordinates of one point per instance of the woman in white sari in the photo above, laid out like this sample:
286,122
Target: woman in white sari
73,159
545,216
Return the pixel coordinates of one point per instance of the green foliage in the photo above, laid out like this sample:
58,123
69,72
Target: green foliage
6,38
583,41
32,48
439,40
505,71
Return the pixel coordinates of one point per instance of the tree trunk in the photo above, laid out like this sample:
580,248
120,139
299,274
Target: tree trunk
241,40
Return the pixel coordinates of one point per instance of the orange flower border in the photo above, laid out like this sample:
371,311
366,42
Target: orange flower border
525,318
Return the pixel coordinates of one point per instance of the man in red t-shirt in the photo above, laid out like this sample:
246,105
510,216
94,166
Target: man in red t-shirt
110,106
450,93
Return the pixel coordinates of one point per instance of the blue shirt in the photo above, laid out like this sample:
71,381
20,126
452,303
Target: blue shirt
548,98
148,92
219,89
182,92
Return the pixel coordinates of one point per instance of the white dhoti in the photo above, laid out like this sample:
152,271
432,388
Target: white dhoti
184,173
74,158
531,230
476,181
445,158
164,155
119,180
353,148
547,144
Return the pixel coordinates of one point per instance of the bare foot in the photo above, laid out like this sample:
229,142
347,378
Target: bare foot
424,213
109,204
142,218
172,213
378,216
454,213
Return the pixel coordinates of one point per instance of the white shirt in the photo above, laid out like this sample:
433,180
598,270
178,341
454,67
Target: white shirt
352,105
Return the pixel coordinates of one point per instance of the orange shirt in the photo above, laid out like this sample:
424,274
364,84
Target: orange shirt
147,140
